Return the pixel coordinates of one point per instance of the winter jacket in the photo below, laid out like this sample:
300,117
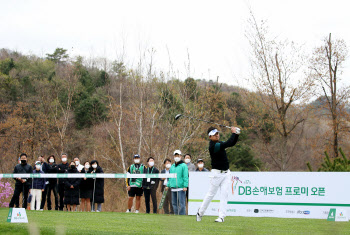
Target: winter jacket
53,169
62,168
148,185
87,184
180,168
98,197
71,195
191,166
24,169
38,183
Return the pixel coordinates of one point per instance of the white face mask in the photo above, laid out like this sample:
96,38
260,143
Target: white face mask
168,165
52,160
87,166
177,159
137,161
187,160
64,159
151,163
94,166
77,163
200,165
37,167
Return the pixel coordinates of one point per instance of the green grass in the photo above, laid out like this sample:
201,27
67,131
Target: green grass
55,222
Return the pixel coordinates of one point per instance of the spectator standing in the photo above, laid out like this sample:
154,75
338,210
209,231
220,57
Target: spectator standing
45,168
179,185
52,186
98,190
71,192
37,188
22,184
62,168
167,201
86,186
150,186
133,185
200,166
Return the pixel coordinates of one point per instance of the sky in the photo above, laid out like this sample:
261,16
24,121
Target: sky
201,39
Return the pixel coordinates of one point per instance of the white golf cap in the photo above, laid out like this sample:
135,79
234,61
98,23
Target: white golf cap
177,152
213,132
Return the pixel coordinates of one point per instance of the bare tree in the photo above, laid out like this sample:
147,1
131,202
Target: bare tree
277,76
326,65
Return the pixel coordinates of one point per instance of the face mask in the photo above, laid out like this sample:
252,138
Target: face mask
168,165
77,163
137,161
177,159
87,166
64,159
187,160
151,163
200,165
51,160
37,167
94,166
72,166
23,161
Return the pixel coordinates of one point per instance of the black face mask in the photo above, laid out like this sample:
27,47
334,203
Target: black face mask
23,162
72,166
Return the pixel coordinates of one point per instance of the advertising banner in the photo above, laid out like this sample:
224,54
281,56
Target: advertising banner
17,215
275,194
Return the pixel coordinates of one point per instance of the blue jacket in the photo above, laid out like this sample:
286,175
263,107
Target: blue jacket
38,183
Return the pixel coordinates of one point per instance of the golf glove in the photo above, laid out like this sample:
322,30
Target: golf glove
238,131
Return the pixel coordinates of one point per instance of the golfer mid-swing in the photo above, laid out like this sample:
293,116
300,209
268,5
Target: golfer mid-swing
220,171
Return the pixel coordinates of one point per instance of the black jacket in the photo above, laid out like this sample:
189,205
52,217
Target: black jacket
52,169
98,197
45,167
87,184
217,152
72,194
148,185
24,169
62,168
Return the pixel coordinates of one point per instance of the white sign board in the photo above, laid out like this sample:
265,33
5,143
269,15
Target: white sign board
275,194
17,215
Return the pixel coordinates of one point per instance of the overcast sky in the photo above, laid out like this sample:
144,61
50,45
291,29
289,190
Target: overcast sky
211,32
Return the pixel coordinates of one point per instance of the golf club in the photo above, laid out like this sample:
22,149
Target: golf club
179,115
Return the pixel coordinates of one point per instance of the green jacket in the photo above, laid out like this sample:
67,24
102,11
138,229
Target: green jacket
181,170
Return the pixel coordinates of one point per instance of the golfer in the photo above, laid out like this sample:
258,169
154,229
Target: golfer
220,171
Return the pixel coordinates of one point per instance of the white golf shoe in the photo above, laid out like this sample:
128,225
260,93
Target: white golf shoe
220,220
137,211
199,217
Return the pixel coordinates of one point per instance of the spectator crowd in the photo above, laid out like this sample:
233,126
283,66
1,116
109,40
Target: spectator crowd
88,193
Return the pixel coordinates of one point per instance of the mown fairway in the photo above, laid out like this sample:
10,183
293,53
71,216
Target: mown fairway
53,222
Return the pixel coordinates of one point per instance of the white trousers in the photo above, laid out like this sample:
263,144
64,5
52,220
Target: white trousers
218,180
36,196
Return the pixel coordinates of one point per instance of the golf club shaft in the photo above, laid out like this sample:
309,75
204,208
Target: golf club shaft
207,121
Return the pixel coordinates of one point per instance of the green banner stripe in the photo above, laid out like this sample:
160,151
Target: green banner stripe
198,200
277,203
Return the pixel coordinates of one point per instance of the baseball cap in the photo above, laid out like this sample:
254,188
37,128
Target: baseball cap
177,152
137,156
37,163
213,132
200,160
